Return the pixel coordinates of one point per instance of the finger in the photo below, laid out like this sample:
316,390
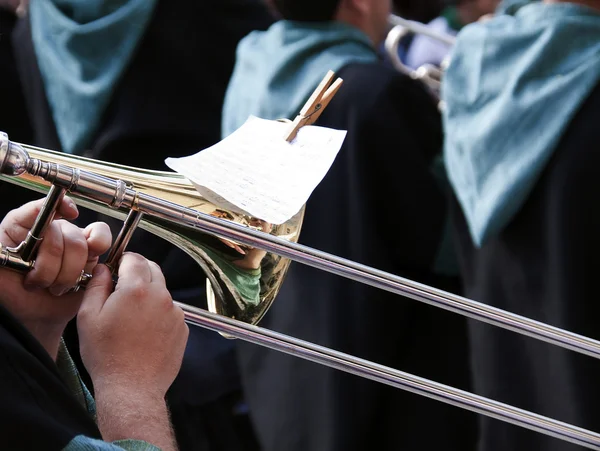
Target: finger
74,258
49,259
18,222
156,274
238,249
226,242
97,292
133,269
67,209
232,246
99,239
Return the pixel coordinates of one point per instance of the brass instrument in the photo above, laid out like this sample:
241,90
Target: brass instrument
167,205
428,74
243,280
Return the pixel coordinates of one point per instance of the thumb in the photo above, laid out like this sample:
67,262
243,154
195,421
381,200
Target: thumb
97,291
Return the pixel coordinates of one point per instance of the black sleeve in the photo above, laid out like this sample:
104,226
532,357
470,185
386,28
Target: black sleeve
37,410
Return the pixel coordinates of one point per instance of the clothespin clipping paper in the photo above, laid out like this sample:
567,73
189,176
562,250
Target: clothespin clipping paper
256,172
315,105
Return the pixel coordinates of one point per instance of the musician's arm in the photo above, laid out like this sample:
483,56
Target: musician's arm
133,420
132,342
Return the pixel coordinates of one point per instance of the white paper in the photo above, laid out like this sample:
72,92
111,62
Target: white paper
254,171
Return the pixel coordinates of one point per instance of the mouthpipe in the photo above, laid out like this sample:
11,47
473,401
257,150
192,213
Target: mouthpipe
15,161
13,158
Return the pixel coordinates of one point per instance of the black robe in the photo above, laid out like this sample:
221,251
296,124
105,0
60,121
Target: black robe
38,410
168,103
379,205
14,119
13,116
543,265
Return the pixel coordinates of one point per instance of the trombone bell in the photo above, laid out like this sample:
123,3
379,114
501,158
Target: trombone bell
243,281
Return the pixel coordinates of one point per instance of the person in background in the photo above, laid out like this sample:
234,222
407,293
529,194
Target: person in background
522,98
419,10
133,82
14,118
380,205
43,403
459,13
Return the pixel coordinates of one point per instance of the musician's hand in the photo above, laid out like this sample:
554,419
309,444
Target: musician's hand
65,251
132,338
132,342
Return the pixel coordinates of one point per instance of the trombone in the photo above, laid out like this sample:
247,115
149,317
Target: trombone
168,206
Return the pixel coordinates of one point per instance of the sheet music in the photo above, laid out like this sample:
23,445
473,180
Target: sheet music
256,172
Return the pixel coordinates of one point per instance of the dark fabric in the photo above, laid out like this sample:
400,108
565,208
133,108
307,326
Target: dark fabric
14,119
543,265
169,101
420,10
221,425
167,104
13,114
38,410
379,205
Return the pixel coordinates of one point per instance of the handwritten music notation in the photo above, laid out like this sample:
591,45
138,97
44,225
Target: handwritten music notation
254,171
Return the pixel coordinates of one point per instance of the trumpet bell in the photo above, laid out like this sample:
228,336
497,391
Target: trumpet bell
242,281
428,74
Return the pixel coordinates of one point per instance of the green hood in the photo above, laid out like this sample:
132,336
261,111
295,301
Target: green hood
277,70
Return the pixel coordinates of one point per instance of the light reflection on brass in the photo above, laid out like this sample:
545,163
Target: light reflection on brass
243,281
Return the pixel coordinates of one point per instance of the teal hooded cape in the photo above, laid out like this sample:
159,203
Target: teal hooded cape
277,70
83,48
513,86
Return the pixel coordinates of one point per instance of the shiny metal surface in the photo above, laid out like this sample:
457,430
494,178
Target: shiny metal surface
392,377
244,281
28,248
428,74
21,257
12,260
420,28
122,240
116,190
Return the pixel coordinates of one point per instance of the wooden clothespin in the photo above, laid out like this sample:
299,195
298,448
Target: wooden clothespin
315,105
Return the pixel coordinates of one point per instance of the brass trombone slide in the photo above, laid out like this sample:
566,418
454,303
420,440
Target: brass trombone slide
93,190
